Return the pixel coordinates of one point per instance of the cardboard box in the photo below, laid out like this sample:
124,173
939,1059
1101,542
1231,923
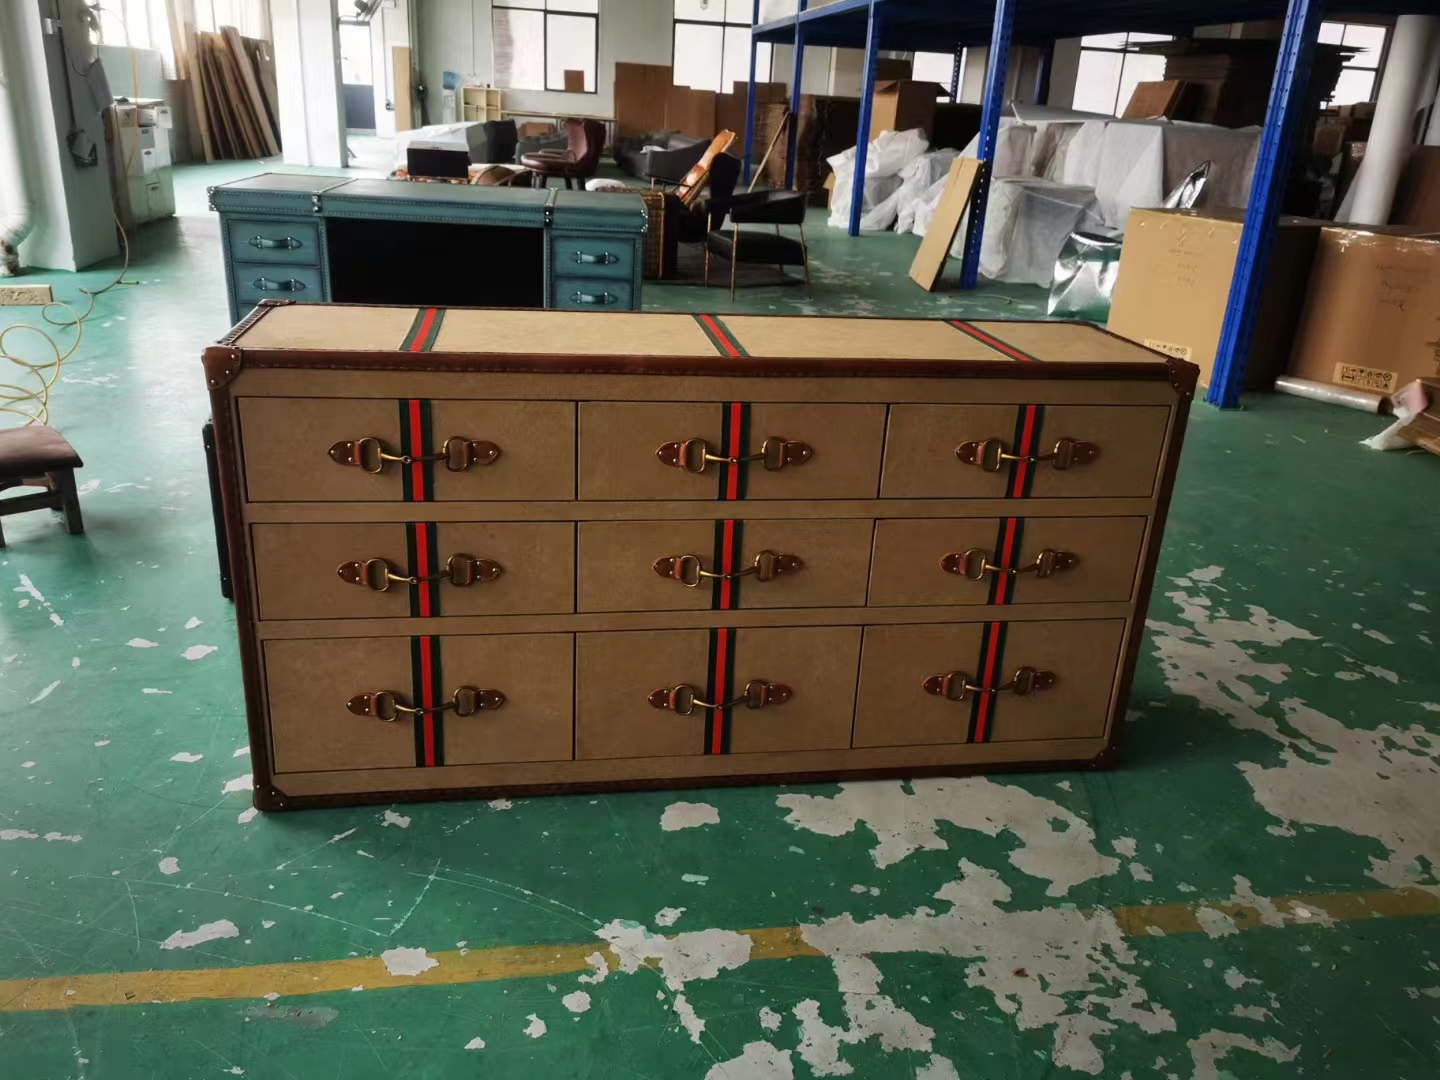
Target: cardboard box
1371,319
1174,282
1417,199
1424,427
902,104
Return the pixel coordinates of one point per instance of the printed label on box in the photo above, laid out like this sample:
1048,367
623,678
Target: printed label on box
1362,378
1180,352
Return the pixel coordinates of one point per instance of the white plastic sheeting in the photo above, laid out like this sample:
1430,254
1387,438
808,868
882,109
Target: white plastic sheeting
889,153
1027,221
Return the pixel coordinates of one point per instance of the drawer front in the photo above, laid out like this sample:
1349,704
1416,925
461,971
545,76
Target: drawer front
287,445
255,282
619,443
297,569
921,461
310,682
893,707
828,565
258,241
591,293
592,257
617,674
1091,560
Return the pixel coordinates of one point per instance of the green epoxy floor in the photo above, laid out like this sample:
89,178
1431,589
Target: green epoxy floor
1282,743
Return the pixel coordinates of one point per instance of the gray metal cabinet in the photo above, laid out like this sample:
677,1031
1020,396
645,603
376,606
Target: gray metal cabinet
316,239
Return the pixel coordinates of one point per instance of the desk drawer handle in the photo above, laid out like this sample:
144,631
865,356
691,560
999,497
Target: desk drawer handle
690,571
386,704
285,243
585,258
693,455
370,454
683,699
974,563
594,299
956,685
266,285
990,454
377,574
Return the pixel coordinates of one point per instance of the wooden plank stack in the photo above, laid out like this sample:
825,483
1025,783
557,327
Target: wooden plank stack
232,89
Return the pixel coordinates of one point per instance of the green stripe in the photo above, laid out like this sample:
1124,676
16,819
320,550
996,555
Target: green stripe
730,335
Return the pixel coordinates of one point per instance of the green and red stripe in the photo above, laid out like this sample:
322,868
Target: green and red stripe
1028,420
728,538
1007,548
990,340
424,330
982,707
423,549
429,692
720,336
721,685
418,477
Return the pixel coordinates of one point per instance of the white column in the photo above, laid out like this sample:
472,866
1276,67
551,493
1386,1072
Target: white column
1402,91
307,76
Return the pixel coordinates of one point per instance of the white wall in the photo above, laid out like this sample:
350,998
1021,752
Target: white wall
390,26
455,36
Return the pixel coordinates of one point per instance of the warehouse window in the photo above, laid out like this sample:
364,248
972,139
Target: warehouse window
536,41
712,45
1110,68
936,67
1361,73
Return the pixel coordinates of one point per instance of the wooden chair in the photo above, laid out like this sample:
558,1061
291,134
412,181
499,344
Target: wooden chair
37,456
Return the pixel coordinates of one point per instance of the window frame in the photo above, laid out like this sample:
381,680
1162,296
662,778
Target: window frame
722,26
545,12
1381,57
1126,48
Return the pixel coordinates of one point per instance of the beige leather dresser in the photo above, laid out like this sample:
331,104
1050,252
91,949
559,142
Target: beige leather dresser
495,551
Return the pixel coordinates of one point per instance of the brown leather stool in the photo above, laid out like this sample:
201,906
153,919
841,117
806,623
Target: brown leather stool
37,456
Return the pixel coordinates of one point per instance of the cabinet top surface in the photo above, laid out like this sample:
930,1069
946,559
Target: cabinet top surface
392,337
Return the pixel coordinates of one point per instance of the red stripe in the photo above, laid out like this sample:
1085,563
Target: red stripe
427,700
732,482
417,343
727,563
417,469
714,328
987,676
994,342
422,566
1027,438
1007,554
717,728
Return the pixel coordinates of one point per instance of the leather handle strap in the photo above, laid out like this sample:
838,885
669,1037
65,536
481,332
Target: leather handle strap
690,571
991,455
377,574
684,699
372,455
387,704
956,685
974,563
694,455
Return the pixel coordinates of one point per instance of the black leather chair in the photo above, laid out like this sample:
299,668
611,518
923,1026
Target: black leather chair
500,141
739,245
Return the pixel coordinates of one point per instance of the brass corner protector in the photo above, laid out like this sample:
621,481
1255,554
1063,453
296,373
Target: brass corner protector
1183,376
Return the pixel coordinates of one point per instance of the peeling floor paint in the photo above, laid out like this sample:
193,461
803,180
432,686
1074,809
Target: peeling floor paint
687,815
211,931
405,960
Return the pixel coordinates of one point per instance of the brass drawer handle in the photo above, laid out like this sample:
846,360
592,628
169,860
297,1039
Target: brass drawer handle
956,685
266,285
585,258
693,455
683,699
386,704
990,454
603,299
285,243
370,454
377,574
974,563
690,571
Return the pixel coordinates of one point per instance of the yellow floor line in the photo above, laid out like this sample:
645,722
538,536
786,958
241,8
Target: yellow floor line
536,961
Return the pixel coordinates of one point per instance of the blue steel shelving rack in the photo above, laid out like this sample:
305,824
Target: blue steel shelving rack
938,25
